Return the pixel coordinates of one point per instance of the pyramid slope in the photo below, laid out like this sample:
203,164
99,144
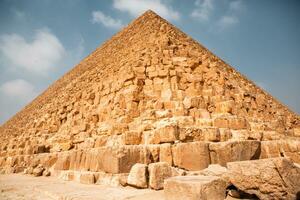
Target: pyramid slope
148,65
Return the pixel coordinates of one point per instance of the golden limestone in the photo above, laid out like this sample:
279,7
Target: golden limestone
153,98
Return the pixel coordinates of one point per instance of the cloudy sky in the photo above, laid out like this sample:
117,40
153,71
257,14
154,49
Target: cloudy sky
40,40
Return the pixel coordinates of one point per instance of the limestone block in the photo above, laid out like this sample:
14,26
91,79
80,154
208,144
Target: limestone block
221,122
237,123
138,175
163,114
191,156
204,122
211,134
178,172
109,179
225,134
63,161
213,170
158,172
121,159
132,137
38,171
191,102
223,152
165,154
281,148
154,151
195,187
87,178
274,178
297,132
101,141
190,134
66,175
224,106
271,135
167,133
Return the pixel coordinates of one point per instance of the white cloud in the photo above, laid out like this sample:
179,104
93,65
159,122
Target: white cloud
19,89
227,21
100,17
231,17
203,9
39,55
236,6
137,7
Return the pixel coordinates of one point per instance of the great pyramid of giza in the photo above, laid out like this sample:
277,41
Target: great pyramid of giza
149,95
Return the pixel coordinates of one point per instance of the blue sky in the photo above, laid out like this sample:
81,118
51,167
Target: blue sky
40,40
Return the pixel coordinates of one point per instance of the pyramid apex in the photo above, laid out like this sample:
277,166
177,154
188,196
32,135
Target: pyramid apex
150,12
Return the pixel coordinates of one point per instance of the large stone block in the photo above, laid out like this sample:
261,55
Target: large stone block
274,178
164,134
165,154
223,152
75,159
280,148
158,172
224,106
87,178
138,176
191,156
132,137
194,188
63,161
121,159
232,122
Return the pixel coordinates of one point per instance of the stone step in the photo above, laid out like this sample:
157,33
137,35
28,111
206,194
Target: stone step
189,155
195,187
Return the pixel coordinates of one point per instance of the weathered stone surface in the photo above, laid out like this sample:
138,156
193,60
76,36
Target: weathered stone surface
191,156
132,137
223,152
274,178
167,133
63,162
138,176
281,148
87,178
195,187
149,94
213,170
158,172
38,171
165,154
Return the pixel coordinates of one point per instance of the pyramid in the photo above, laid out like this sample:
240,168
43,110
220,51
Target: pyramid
149,94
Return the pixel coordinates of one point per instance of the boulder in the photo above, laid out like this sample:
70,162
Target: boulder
138,176
158,172
194,188
46,172
273,178
38,171
191,156
223,152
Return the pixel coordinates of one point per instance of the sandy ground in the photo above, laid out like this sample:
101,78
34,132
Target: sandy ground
17,187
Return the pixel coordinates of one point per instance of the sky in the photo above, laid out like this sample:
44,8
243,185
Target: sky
40,40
